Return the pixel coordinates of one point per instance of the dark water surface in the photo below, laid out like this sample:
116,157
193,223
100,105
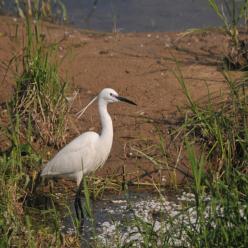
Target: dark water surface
141,15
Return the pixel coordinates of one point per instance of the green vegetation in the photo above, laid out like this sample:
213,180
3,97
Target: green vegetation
221,131
40,93
37,116
221,128
39,9
217,215
232,16
232,13
17,228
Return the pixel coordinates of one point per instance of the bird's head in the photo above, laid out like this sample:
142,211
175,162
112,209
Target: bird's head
110,96
107,95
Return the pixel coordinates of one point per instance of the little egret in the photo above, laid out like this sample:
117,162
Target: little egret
87,152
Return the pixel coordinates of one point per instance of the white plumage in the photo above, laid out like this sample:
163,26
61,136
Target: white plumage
87,152
76,159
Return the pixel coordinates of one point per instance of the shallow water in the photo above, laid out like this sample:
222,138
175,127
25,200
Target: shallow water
128,220
141,16
137,15
114,213
111,207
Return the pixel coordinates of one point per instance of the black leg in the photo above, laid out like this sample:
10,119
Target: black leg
78,204
36,183
78,207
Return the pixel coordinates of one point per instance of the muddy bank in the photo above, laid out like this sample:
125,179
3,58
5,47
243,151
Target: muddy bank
140,66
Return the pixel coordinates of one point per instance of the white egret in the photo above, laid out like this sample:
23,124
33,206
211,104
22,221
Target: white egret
87,152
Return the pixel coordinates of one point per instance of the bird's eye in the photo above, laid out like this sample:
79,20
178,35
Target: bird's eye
111,94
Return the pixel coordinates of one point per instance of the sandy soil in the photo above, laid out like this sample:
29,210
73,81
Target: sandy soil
139,66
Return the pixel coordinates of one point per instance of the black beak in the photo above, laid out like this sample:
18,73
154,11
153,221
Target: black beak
123,99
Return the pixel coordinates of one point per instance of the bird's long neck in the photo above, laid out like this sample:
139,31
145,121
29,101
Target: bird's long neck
106,121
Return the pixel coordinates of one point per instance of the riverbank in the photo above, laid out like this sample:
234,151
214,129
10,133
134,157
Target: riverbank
140,66
190,125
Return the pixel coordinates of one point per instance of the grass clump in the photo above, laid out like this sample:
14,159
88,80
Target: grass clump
232,14
17,171
36,115
220,173
220,207
221,128
220,187
216,215
40,93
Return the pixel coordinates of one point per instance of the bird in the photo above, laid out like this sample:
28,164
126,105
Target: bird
87,152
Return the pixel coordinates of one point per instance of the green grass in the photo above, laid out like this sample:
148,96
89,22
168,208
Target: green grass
233,14
36,117
218,216
40,93
219,173
222,129
219,176
16,178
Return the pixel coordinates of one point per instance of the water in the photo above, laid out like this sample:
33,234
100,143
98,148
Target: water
141,15
127,221
114,214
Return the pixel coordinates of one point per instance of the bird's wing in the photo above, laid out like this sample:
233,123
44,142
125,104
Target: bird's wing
73,156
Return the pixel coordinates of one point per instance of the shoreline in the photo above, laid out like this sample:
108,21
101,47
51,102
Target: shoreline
140,66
